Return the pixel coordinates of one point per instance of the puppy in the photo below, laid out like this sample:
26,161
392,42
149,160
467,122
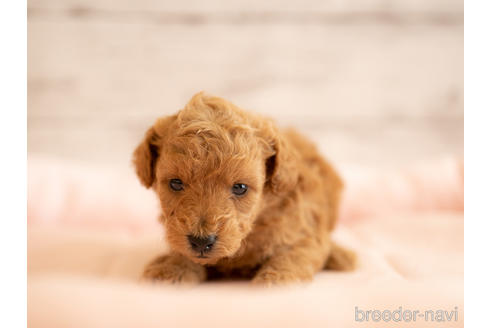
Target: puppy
239,197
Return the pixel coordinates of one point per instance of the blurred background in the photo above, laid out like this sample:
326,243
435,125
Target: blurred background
372,82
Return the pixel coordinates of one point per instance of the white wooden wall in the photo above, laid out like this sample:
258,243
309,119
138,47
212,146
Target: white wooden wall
374,82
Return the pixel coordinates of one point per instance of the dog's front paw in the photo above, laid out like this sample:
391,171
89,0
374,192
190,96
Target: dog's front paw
271,277
174,269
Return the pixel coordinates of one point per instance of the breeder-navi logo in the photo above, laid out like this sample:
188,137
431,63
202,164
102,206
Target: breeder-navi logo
405,315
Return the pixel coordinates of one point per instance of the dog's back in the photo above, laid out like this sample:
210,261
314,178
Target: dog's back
316,173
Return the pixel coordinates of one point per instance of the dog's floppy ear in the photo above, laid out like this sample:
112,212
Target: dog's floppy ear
282,172
145,157
147,152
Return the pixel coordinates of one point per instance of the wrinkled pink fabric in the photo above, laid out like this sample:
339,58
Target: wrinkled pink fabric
91,230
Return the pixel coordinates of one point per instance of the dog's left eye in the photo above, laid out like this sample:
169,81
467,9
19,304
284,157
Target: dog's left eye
176,184
239,189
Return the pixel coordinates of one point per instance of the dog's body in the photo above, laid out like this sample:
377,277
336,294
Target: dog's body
239,196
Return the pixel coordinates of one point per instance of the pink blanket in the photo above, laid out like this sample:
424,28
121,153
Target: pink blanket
91,230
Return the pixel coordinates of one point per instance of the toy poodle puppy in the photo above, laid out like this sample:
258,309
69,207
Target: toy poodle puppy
239,197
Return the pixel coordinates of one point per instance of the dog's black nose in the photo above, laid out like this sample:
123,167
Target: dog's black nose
202,244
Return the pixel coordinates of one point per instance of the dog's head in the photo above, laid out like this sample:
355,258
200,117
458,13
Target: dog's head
212,166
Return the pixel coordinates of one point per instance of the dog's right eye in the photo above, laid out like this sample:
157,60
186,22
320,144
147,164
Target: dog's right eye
239,189
176,184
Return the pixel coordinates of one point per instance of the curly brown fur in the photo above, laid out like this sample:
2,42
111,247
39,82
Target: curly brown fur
278,232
